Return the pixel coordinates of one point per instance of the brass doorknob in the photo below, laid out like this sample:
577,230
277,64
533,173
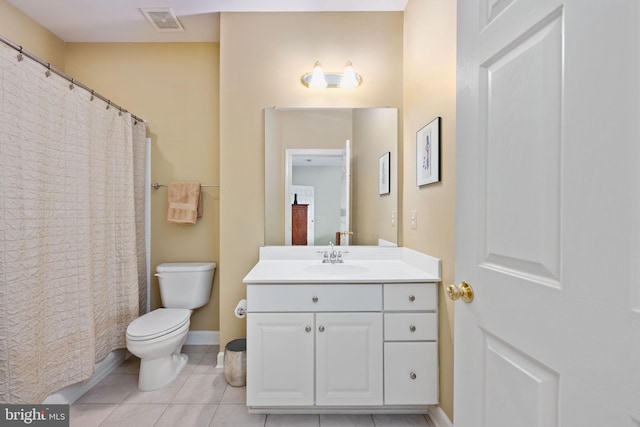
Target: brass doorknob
464,291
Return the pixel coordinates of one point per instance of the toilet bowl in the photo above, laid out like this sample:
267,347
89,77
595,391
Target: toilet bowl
157,337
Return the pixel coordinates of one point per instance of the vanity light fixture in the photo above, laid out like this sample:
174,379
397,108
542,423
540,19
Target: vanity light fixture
318,79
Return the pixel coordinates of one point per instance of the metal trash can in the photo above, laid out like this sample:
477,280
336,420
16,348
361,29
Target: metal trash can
235,362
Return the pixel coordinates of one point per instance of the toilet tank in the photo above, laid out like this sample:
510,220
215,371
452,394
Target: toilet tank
185,284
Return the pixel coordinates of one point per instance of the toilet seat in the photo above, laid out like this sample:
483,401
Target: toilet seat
157,323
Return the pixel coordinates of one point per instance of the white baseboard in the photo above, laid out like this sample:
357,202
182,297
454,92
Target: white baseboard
220,360
70,394
203,338
438,417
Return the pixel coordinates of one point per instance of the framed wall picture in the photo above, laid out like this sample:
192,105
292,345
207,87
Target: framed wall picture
428,153
384,186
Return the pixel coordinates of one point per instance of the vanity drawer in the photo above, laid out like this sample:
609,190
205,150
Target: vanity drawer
410,296
410,373
313,297
410,327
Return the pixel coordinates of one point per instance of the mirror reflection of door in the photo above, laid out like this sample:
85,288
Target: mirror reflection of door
372,132
343,238
312,177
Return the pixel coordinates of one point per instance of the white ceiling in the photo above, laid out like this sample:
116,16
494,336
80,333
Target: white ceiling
122,21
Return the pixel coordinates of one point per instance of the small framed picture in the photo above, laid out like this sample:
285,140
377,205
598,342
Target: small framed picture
384,186
428,153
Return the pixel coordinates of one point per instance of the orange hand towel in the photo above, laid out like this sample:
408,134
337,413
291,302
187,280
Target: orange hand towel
185,206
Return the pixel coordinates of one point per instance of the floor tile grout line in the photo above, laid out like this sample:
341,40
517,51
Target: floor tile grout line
163,412
109,414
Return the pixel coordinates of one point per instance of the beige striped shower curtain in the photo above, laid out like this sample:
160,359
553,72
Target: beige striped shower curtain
72,252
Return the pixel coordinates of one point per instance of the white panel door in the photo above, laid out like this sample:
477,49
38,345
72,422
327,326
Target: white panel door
548,213
280,349
348,359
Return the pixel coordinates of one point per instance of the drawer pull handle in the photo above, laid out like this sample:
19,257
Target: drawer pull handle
308,329
412,328
314,299
412,298
413,375
321,328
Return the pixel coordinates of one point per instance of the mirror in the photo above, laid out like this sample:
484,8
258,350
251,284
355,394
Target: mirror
308,164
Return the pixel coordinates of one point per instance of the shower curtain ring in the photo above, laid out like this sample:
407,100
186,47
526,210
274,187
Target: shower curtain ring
92,97
71,85
20,57
109,104
48,72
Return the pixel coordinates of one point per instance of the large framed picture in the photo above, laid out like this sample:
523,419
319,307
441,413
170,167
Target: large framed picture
384,186
428,153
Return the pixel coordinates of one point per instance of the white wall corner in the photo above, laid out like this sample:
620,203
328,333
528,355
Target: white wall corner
438,417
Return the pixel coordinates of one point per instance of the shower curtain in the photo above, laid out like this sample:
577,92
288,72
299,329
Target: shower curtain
72,252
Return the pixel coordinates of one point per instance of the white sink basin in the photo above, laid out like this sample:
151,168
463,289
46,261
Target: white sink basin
336,269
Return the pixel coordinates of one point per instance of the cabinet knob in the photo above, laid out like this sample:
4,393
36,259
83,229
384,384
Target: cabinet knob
321,328
308,329
412,328
412,298
314,299
413,375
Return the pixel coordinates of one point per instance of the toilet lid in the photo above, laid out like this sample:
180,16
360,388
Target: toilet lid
158,323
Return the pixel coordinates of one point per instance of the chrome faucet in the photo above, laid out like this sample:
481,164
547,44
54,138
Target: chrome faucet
332,256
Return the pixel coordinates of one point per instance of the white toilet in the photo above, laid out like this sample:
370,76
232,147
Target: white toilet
157,337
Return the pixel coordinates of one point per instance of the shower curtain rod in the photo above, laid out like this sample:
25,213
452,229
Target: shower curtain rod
70,79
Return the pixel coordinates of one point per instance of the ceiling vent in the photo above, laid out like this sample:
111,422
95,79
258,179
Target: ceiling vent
163,19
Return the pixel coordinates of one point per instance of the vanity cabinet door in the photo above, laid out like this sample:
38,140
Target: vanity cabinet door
349,359
280,370
411,373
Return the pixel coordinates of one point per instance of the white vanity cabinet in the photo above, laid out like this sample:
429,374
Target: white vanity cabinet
410,344
328,354
354,346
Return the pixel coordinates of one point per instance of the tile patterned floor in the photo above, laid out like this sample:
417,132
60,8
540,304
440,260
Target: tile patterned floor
199,397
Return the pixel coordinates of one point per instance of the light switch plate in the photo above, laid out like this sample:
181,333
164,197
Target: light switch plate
393,218
414,220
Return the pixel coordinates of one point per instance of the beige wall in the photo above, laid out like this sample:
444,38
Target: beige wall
429,92
33,37
262,56
174,87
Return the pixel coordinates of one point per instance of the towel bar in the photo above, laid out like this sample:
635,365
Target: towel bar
157,185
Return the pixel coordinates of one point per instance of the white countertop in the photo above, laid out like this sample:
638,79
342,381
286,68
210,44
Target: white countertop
361,265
